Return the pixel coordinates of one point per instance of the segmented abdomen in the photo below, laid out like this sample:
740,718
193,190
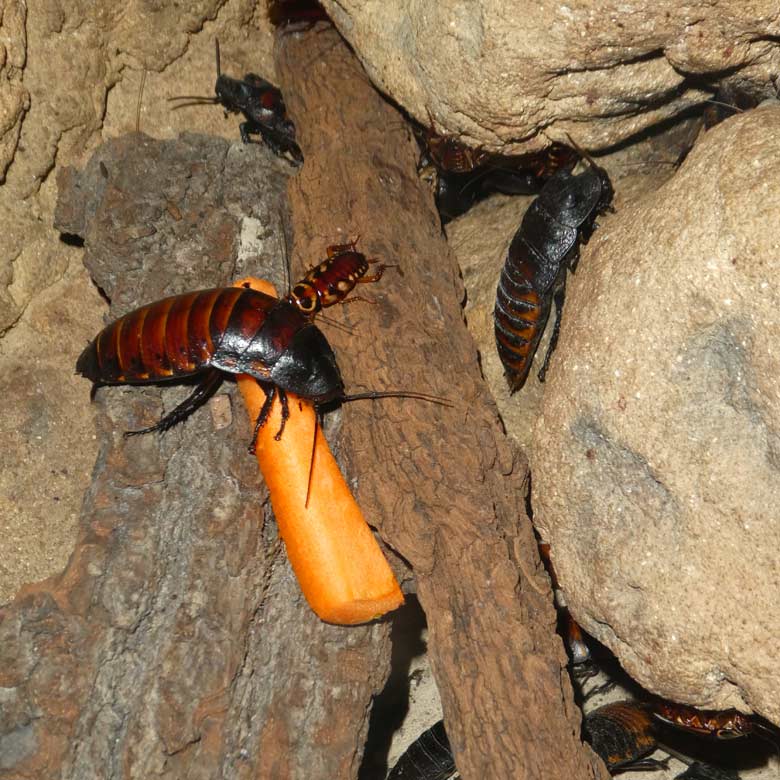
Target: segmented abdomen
174,337
620,732
520,316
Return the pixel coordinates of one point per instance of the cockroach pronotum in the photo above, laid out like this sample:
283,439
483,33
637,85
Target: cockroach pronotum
534,274
332,280
263,108
621,733
429,757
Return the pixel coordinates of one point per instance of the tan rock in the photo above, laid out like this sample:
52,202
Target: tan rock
599,71
656,462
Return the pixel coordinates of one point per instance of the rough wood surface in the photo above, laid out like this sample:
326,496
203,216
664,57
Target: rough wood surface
441,484
176,643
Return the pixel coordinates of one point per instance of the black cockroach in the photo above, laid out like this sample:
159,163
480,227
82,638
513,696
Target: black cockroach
461,176
622,735
263,108
561,218
332,280
429,757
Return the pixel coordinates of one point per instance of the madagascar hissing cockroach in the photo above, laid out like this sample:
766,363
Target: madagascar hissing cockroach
332,280
263,108
208,332
561,218
224,330
721,724
621,733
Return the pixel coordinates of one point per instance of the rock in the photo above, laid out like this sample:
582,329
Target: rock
656,461
514,81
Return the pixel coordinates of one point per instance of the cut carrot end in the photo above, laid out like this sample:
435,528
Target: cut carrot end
340,567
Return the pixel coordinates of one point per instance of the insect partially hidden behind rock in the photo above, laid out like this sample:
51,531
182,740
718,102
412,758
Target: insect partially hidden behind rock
462,175
561,218
720,724
621,733
263,108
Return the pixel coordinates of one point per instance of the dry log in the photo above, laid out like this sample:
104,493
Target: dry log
443,485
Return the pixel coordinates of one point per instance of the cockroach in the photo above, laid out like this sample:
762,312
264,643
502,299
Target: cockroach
263,108
429,757
721,724
561,218
458,187
332,280
621,733
208,333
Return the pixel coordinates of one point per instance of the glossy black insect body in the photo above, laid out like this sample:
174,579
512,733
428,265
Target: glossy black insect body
429,757
263,107
534,274
208,332
621,733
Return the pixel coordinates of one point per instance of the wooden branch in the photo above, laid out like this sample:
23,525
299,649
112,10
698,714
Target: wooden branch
442,485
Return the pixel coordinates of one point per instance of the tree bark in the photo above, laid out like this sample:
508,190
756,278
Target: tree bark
442,485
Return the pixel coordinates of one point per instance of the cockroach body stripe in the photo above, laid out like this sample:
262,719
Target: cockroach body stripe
534,274
621,733
230,329
333,279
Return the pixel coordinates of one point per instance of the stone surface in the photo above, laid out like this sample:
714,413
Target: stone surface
655,463
600,71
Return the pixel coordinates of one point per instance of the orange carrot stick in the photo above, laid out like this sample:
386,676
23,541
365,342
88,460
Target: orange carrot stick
341,569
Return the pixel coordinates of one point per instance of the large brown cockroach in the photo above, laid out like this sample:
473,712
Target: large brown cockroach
332,280
621,733
561,218
720,724
208,332
231,330
263,108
